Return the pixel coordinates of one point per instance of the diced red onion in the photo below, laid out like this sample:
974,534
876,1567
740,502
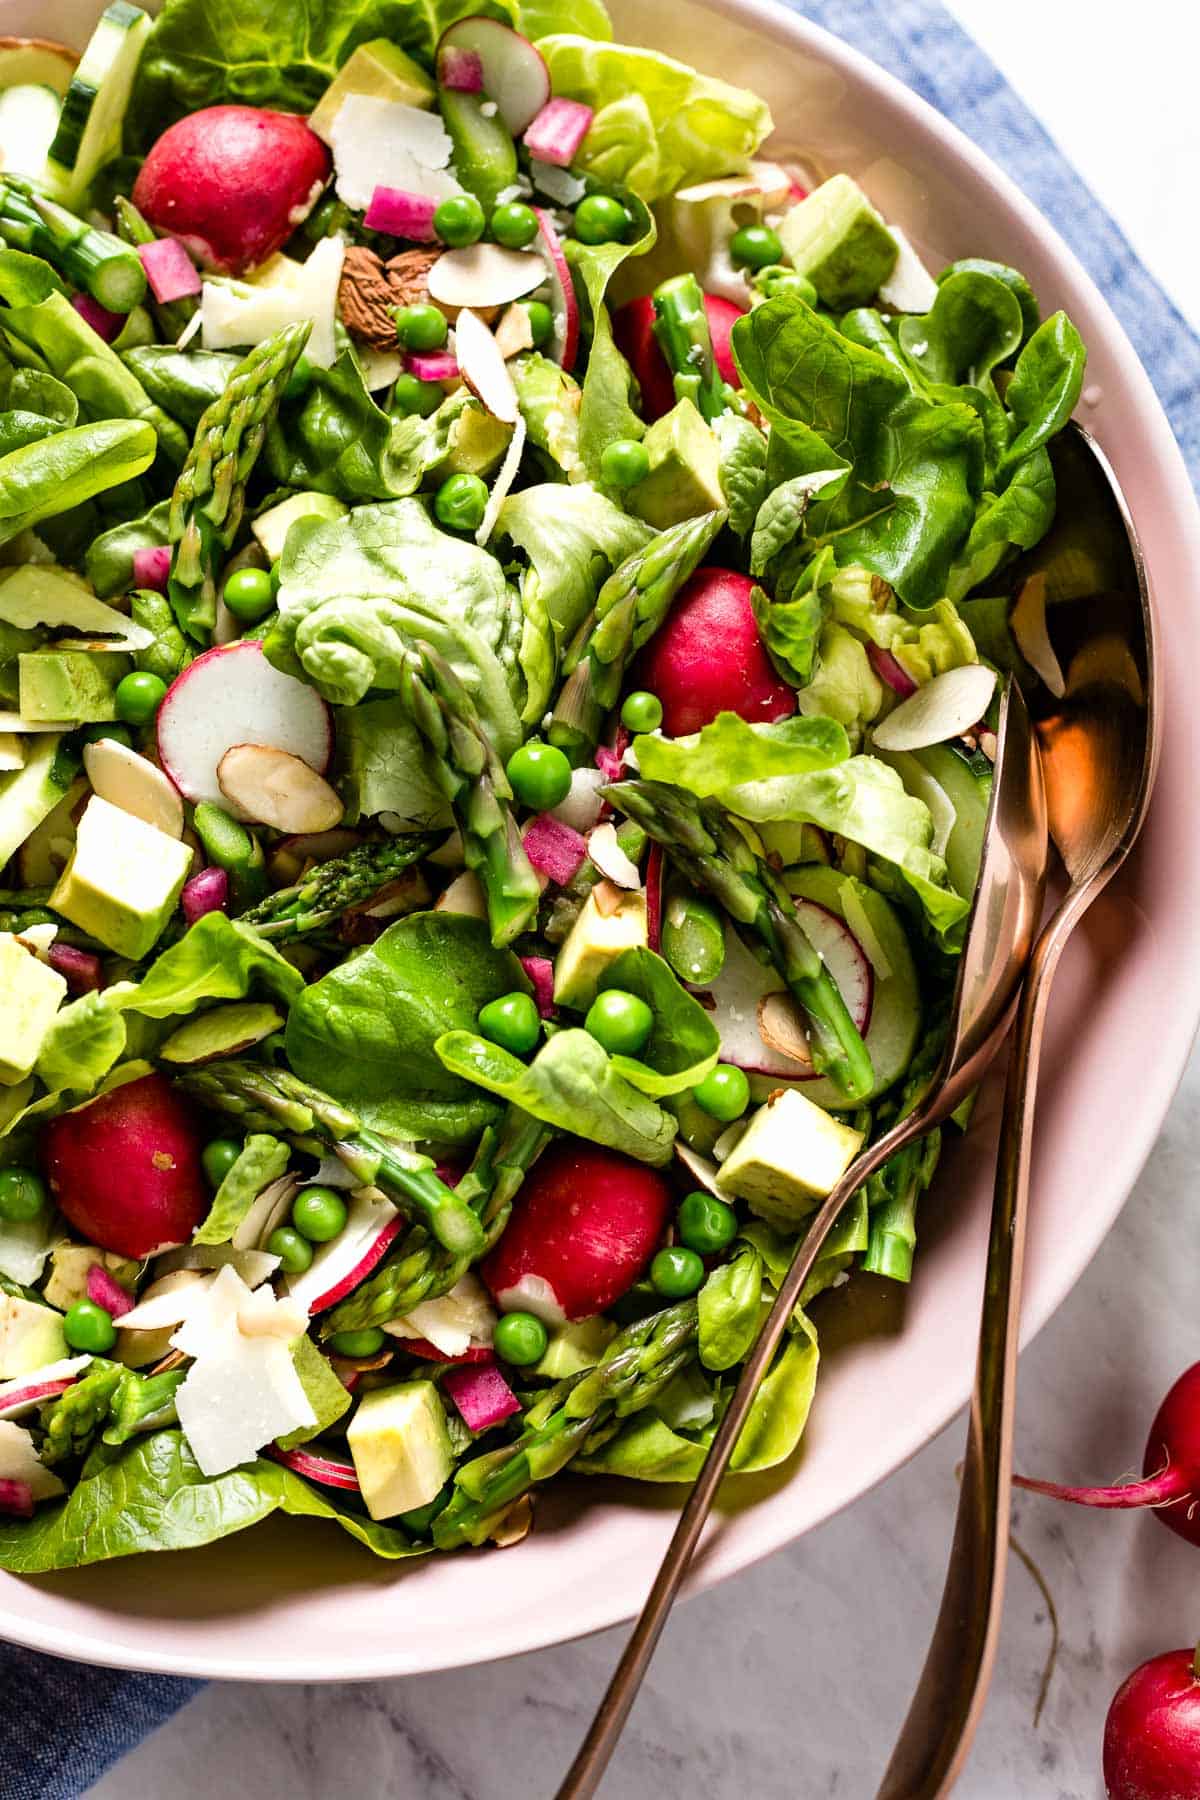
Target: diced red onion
554,848
540,971
16,1499
557,132
654,897
169,269
892,673
608,763
328,1470
401,213
461,70
81,969
204,893
151,566
481,1394
105,324
435,365
107,1292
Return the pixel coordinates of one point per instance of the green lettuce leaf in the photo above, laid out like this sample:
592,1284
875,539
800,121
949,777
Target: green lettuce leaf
973,325
730,751
1045,388
743,467
683,1044
657,125
383,767
571,1084
606,409
782,514
926,646
261,1160
1014,520
549,400
366,1031
730,1304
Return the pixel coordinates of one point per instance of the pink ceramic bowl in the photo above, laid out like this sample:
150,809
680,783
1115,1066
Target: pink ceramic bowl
299,1602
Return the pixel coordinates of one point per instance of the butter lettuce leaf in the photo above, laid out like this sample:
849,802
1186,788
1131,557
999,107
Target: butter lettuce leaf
261,1160
683,1044
730,751
606,407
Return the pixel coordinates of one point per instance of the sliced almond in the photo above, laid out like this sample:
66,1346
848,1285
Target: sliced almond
940,709
464,895
607,896
609,857
1028,624
277,789
483,368
484,275
265,1316
781,1027
125,779
514,332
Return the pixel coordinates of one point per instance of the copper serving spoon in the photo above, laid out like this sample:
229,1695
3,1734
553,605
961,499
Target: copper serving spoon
1008,900
1097,741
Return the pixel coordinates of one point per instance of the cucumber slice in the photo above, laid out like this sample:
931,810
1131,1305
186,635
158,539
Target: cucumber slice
93,111
896,1007
968,783
36,62
28,122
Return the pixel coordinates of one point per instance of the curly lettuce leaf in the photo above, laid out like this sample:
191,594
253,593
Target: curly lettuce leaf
730,751
926,646
658,124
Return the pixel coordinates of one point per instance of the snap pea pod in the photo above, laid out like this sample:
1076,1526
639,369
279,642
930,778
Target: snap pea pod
94,260
681,327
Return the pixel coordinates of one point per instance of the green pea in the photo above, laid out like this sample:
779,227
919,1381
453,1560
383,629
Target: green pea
512,1022
138,697
693,938
22,1194
358,1343
541,322
294,1252
88,1327
459,221
724,1094
412,395
676,1272
319,1214
601,219
514,225
520,1338
421,327
642,711
218,1157
754,246
705,1223
624,463
778,278
461,502
97,734
248,595
540,776
619,1022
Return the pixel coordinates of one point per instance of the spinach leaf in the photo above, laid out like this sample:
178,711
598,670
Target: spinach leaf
730,751
730,1305
151,1495
743,468
973,325
55,473
683,1043
261,1160
1045,387
1014,520
1013,280
366,1031
183,382
571,1084
108,563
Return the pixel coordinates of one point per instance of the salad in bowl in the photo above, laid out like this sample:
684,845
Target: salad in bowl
503,597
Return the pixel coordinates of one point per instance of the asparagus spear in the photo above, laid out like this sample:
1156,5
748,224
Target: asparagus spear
713,853
172,315
419,1269
633,1371
264,1099
93,260
681,327
334,886
210,493
630,607
471,775
893,1193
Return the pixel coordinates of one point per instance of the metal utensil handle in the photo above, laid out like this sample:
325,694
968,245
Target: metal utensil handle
585,1772
937,1733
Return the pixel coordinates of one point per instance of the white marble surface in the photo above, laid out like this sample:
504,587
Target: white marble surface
790,1680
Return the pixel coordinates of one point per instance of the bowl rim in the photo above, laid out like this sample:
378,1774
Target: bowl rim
732,1550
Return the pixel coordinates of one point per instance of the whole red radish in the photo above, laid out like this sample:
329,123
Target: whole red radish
1170,1483
633,328
1152,1733
584,1225
232,183
125,1169
708,657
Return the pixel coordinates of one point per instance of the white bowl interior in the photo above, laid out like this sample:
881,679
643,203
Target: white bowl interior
301,1602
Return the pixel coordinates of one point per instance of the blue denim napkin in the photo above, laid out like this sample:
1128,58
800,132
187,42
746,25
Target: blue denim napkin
64,1724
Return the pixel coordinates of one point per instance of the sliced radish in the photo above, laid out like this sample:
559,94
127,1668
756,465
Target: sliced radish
106,1291
483,368
764,181
484,274
564,307
942,708
515,75
132,782
337,1267
16,1498
555,135
554,849
474,1353
540,971
82,971
749,996
890,671
654,897
328,1470
274,788
438,365
27,1391
233,695
105,324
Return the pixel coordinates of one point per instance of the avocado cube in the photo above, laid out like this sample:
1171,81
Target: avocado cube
401,1447
378,68
573,1348
69,684
792,1154
477,443
67,1281
597,938
123,880
685,470
30,995
28,795
840,242
30,1336
271,527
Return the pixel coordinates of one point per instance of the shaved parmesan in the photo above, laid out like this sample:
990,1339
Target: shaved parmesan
235,314
19,1461
910,288
167,1302
452,1322
12,752
383,143
505,476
